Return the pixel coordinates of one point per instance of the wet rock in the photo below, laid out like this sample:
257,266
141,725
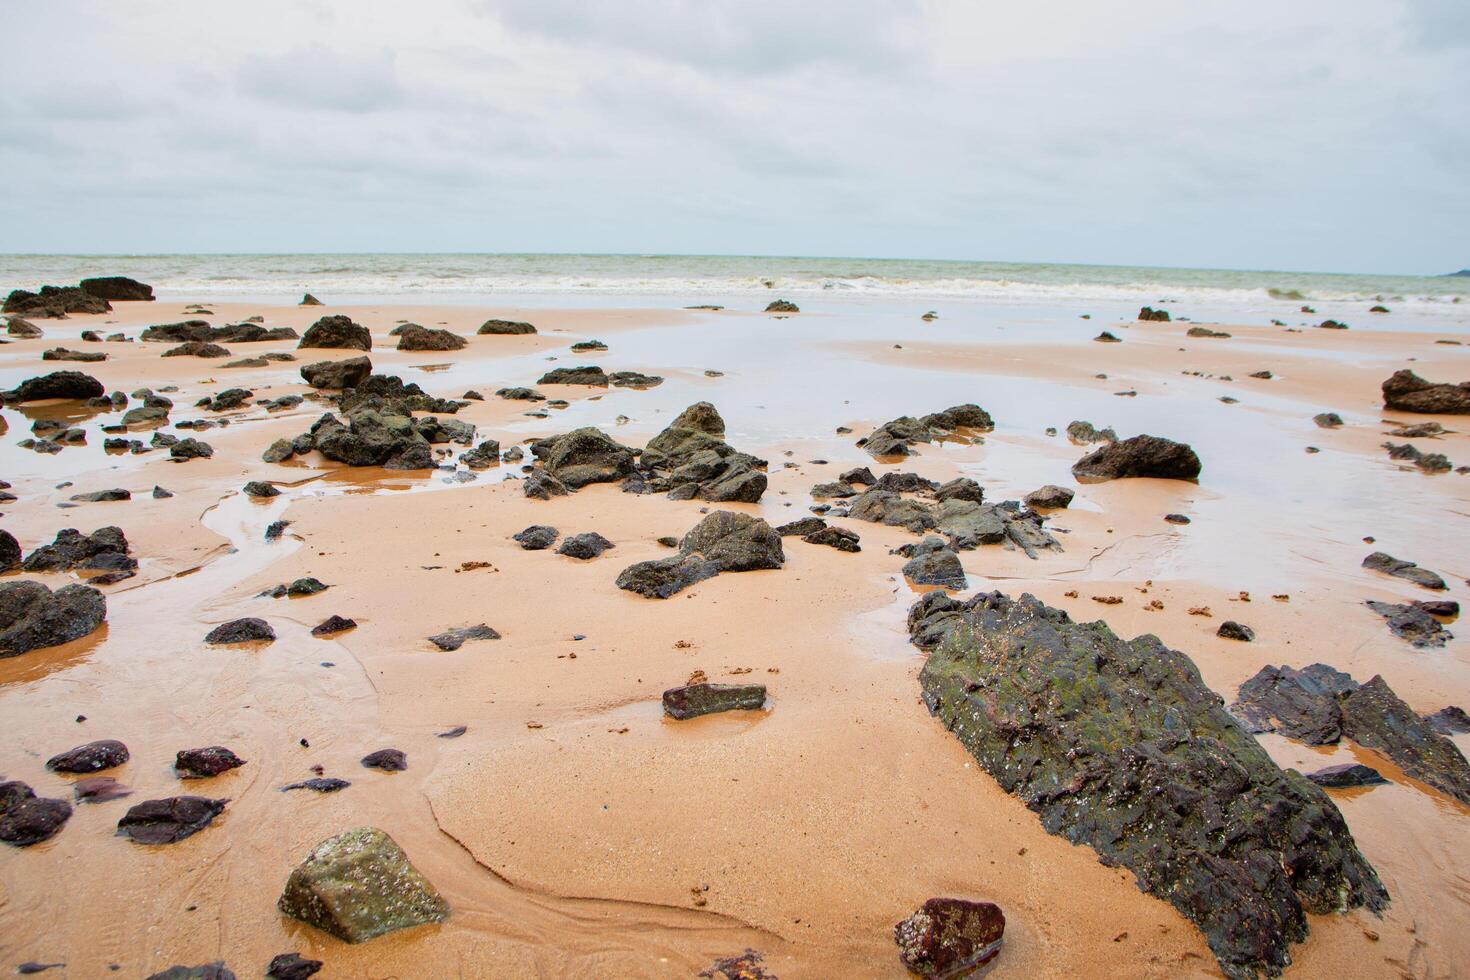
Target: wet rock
521,394
950,937
932,562
91,757
33,617
1328,420
1405,391
169,820
337,333
1414,622
159,493
275,529
247,630
802,526
584,546
1149,313
388,760
505,327
415,337
537,537
1083,433
960,488
228,399
540,485
55,302
190,448
333,624
26,818
203,763
1049,497
260,489
22,329
321,784
694,700
835,537
197,348
207,971
483,456
1345,776
1119,744
1375,717
104,548
66,354
1231,630
336,375
662,577
117,288
57,384
360,885
1300,704
1140,456
586,375
102,496
895,437
824,491
453,639
1205,332
1423,430
1450,720
9,551
1332,325
735,542
634,379
586,456
782,306
746,966
1398,568
99,789
859,475
1177,519
292,966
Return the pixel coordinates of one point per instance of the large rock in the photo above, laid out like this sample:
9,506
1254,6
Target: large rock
1415,621
1141,456
117,289
662,577
95,756
415,337
586,456
360,885
932,562
593,376
57,384
702,417
1387,564
27,819
335,375
105,549
689,459
9,551
337,333
950,937
54,301
693,700
169,820
1405,391
33,617
735,542
1119,744
505,327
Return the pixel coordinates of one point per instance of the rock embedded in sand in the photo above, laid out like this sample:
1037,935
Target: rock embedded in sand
197,348
310,300
1347,775
1107,338
291,966
260,489
57,384
1332,325
584,456
360,885
247,630
26,818
1049,497
33,617
105,549
693,700
1328,420
205,971
336,375
505,327
23,329
1119,744
333,624
169,820
10,555
1149,313
67,354
203,763
1140,456
835,537
950,937
99,789
451,640
415,337
1413,621
1450,720
55,302
1083,432
388,760
1231,630
663,577
894,438
735,542
337,333
1387,564
1206,332
321,784
540,485
537,537
584,546
190,448
690,459
802,527
591,376
92,757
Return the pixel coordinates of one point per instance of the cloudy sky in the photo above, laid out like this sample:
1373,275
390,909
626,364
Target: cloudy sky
1304,134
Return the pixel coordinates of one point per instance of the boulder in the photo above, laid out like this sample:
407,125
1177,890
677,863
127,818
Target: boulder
105,753
333,624
834,537
802,526
537,537
169,820
1140,456
388,760
592,376
584,546
105,549
260,489
190,448
27,819
634,379
505,327
248,630
1328,420
932,562
57,384
203,763
1049,497
54,301
662,577
336,375
1120,745
735,542
415,337
1083,433
1449,720
1405,391
1149,313
782,306
197,348
694,700
360,885
1413,621
66,354
1347,775
451,640
310,300
22,329
1206,332
118,289
9,551
950,937
1231,630
33,617
291,966
701,417
1398,568
586,456
337,333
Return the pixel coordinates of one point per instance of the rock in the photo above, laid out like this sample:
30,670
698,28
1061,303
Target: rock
415,337
1231,630
9,551
634,379
584,546
1389,565
333,624
1328,420
169,820
247,630
802,526
291,966
26,818
1119,744
275,529
337,333
319,785
228,399
1449,720
102,496
894,438
57,384
537,537
1332,325
1300,704
505,327
782,306
1149,313
117,289
735,542
260,489
1083,433
1050,497
932,562
541,485
91,757
949,937
694,700
207,971
99,789
359,885
66,354
662,577
159,493
1205,332
1348,775
197,348
33,617
278,451
190,448
453,639
310,300
336,375
1405,391
54,301
105,548
835,537
592,376
1140,456
23,329
483,456
586,456
1413,621
388,760
1107,338
203,763
521,394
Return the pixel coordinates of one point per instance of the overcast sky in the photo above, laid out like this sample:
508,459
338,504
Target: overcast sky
1285,134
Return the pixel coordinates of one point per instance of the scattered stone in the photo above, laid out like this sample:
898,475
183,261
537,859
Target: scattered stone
950,937
203,763
584,546
33,617
99,789
260,489
388,760
1149,313
1140,456
782,306
694,700
592,376
1345,776
337,333
359,885
1450,720
1328,420
1083,433
735,542
1231,630
1414,622
169,820
1205,332
894,438
834,537
537,537
1050,497
190,448
275,529
1398,568
336,375
1332,325
310,300
333,624
662,577
802,526
634,379
26,818
505,327
932,562
105,549
453,639
414,337
247,630
1405,391
22,329
291,966
326,784
197,348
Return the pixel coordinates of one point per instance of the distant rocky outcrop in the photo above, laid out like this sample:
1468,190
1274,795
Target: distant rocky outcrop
118,289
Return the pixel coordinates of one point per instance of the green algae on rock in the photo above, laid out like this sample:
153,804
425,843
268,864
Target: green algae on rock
360,885
1118,744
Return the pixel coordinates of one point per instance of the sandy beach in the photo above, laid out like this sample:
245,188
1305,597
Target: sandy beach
576,830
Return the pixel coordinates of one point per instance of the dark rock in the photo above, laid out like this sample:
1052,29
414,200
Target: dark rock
169,820
335,375
9,551
1414,622
453,639
333,624
26,818
1300,704
190,448
291,966
415,337
1450,720
782,306
454,732
1140,456
735,542
197,348
694,700
247,630
359,885
1120,745
1177,519
802,526
326,784
634,379
860,475
1348,775
260,489
521,394
92,757
228,399
1375,717
592,376
960,488
105,547
1328,420
949,937
1231,630
57,384
837,488
1332,325
1107,338
537,537
203,763
102,496
55,301
1083,433
661,578
117,289
1049,497
33,617
835,537
1205,332
388,760
1389,565
99,789
932,562
23,329
541,485
207,971
1149,313
505,327
586,456
310,300
895,437
276,528
587,346
66,354
337,333
584,546
483,456
1405,391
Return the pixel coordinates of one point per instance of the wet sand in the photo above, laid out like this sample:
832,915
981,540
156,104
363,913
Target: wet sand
608,841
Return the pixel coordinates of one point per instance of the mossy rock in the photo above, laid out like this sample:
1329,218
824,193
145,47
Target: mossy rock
360,885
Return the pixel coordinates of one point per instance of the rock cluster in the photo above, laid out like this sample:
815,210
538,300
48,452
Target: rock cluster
955,510
202,331
894,438
55,302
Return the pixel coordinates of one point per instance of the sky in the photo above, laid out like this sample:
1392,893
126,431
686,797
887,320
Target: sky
1301,135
